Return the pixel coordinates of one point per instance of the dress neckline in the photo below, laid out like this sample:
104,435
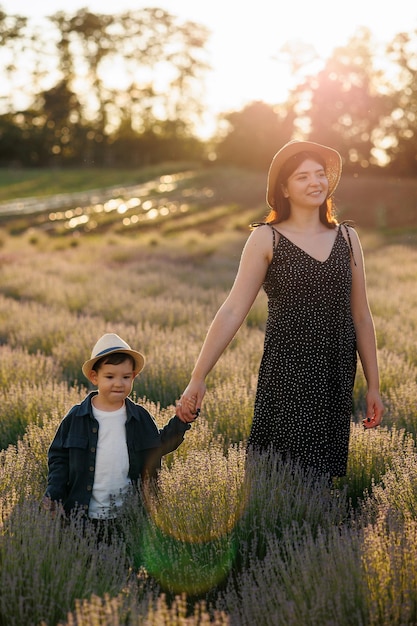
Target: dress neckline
310,256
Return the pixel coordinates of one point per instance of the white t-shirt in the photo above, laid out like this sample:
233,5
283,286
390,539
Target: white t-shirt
112,463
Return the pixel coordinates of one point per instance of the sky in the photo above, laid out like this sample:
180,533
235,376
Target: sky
246,37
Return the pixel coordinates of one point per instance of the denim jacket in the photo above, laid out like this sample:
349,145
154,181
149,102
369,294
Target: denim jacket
72,453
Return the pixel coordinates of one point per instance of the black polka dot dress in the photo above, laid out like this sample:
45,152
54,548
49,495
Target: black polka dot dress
303,403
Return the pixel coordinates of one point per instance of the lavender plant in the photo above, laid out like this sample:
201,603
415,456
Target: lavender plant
227,539
47,564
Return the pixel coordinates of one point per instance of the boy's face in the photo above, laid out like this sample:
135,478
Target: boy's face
114,383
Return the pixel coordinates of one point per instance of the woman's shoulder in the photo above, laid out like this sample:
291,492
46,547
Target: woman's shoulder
262,232
259,225
348,230
263,238
265,228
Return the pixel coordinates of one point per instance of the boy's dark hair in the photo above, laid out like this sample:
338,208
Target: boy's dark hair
115,358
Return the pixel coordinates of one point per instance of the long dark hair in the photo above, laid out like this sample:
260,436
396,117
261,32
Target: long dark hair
282,207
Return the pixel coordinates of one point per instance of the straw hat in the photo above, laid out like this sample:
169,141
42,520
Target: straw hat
107,344
331,157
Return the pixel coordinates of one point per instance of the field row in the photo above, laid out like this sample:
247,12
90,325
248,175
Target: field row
230,540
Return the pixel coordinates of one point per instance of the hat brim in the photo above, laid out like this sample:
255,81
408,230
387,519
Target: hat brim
137,356
330,156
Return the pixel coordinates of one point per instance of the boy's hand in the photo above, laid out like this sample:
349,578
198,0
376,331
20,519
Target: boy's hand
50,506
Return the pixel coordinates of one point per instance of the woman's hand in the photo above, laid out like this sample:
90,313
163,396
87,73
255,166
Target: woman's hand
189,405
374,410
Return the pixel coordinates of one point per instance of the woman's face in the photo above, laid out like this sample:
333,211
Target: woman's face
307,186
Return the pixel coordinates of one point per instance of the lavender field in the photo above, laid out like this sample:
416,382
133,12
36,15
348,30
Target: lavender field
228,539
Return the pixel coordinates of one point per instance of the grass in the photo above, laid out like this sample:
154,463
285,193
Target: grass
25,183
170,197
228,539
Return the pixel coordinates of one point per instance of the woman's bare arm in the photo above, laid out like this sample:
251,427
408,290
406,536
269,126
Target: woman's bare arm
365,335
254,262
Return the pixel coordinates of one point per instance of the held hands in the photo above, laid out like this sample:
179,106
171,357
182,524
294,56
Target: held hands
189,405
374,410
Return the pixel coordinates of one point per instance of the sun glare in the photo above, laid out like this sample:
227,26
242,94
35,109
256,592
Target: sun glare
257,50
256,58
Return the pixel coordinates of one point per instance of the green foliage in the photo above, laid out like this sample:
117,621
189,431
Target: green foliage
58,128
390,574
401,404
371,455
28,458
29,182
27,403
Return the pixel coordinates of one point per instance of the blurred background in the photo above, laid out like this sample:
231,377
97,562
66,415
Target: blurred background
97,84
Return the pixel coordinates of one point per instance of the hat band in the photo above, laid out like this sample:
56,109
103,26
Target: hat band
109,350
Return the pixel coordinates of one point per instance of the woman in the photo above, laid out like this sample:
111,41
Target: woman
312,270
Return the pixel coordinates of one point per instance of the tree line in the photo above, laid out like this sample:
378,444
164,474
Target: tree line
127,89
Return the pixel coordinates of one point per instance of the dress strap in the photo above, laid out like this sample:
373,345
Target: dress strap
274,232
274,236
349,240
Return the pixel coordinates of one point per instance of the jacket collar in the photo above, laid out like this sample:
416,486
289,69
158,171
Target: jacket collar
85,409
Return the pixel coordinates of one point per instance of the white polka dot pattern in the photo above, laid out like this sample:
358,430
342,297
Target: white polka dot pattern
303,402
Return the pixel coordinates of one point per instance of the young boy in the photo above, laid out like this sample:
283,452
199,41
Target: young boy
108,441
